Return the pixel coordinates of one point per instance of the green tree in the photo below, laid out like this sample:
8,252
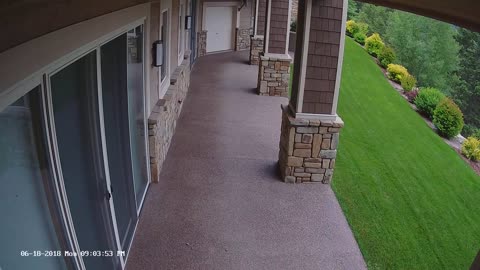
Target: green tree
352,11
376,17
466,92
426,47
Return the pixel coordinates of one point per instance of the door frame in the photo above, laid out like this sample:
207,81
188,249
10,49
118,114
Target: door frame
235,17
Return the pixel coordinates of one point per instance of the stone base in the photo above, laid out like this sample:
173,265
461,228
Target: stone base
308,148
274,76
201,43
256,48
242,38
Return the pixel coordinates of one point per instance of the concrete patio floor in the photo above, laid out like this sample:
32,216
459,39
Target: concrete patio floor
220,203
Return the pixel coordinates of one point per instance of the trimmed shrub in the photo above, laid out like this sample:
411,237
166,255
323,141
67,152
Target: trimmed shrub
471,148
448,118
293,26
386,56
374,44
396,72
427,100
411,95
471,131
360,38
362,28
351,28
408,82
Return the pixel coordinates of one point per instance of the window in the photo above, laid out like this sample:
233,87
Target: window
181,34
164,35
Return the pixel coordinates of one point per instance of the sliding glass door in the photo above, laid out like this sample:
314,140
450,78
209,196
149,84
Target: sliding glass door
136,111
27,217
76,117
116,118
74,161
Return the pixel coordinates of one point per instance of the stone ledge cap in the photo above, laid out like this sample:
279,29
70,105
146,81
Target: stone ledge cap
303,122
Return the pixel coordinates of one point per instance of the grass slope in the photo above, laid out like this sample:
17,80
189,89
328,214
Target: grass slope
411,201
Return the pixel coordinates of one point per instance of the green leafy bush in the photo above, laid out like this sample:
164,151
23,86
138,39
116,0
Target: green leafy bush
386,56
448,118
396,72
363,28
427,100
293,26
408,82
360,38
471,131
374,44
471,148
351,28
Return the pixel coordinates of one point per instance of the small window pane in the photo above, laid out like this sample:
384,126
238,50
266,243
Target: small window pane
164,30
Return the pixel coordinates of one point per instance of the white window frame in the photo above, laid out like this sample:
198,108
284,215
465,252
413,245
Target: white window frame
165,83
181,31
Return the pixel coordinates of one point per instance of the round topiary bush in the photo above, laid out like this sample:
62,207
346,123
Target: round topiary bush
471,148
386,56
396,72
351,28
408,82
427,100
360,38
374,44
448,118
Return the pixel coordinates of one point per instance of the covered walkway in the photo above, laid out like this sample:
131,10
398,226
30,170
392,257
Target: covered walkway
220,203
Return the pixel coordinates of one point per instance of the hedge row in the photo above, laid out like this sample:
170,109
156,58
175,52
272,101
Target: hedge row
445,114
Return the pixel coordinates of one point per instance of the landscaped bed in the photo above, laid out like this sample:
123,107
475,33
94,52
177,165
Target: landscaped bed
411,200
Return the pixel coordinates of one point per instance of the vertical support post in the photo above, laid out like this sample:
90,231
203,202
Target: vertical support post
310,124
256,40
274,68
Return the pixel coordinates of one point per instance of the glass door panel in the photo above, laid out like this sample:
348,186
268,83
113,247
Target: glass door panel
115,111
75,110
136,111
26,220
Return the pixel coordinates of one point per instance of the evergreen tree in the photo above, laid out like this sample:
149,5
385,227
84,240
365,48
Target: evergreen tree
376,17
467,87
426,47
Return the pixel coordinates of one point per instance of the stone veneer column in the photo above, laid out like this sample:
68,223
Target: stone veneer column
243,38
201,43
274,66
310,125
256,40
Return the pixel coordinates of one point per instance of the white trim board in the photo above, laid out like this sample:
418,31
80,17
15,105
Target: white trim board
338,79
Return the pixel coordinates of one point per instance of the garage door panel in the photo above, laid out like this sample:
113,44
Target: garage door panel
219,26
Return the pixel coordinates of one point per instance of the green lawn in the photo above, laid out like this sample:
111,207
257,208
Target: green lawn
410,200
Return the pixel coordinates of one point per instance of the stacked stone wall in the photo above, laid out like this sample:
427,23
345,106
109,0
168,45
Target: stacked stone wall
273,76
256,48
201,43
242,41
163,119
308,148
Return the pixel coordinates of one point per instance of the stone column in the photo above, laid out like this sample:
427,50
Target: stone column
201,43
274,67
310,124
256,40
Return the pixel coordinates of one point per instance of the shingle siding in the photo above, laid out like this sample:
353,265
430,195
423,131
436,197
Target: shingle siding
323,51
278,26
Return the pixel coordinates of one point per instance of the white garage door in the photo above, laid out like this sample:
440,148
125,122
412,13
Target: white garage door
219,26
